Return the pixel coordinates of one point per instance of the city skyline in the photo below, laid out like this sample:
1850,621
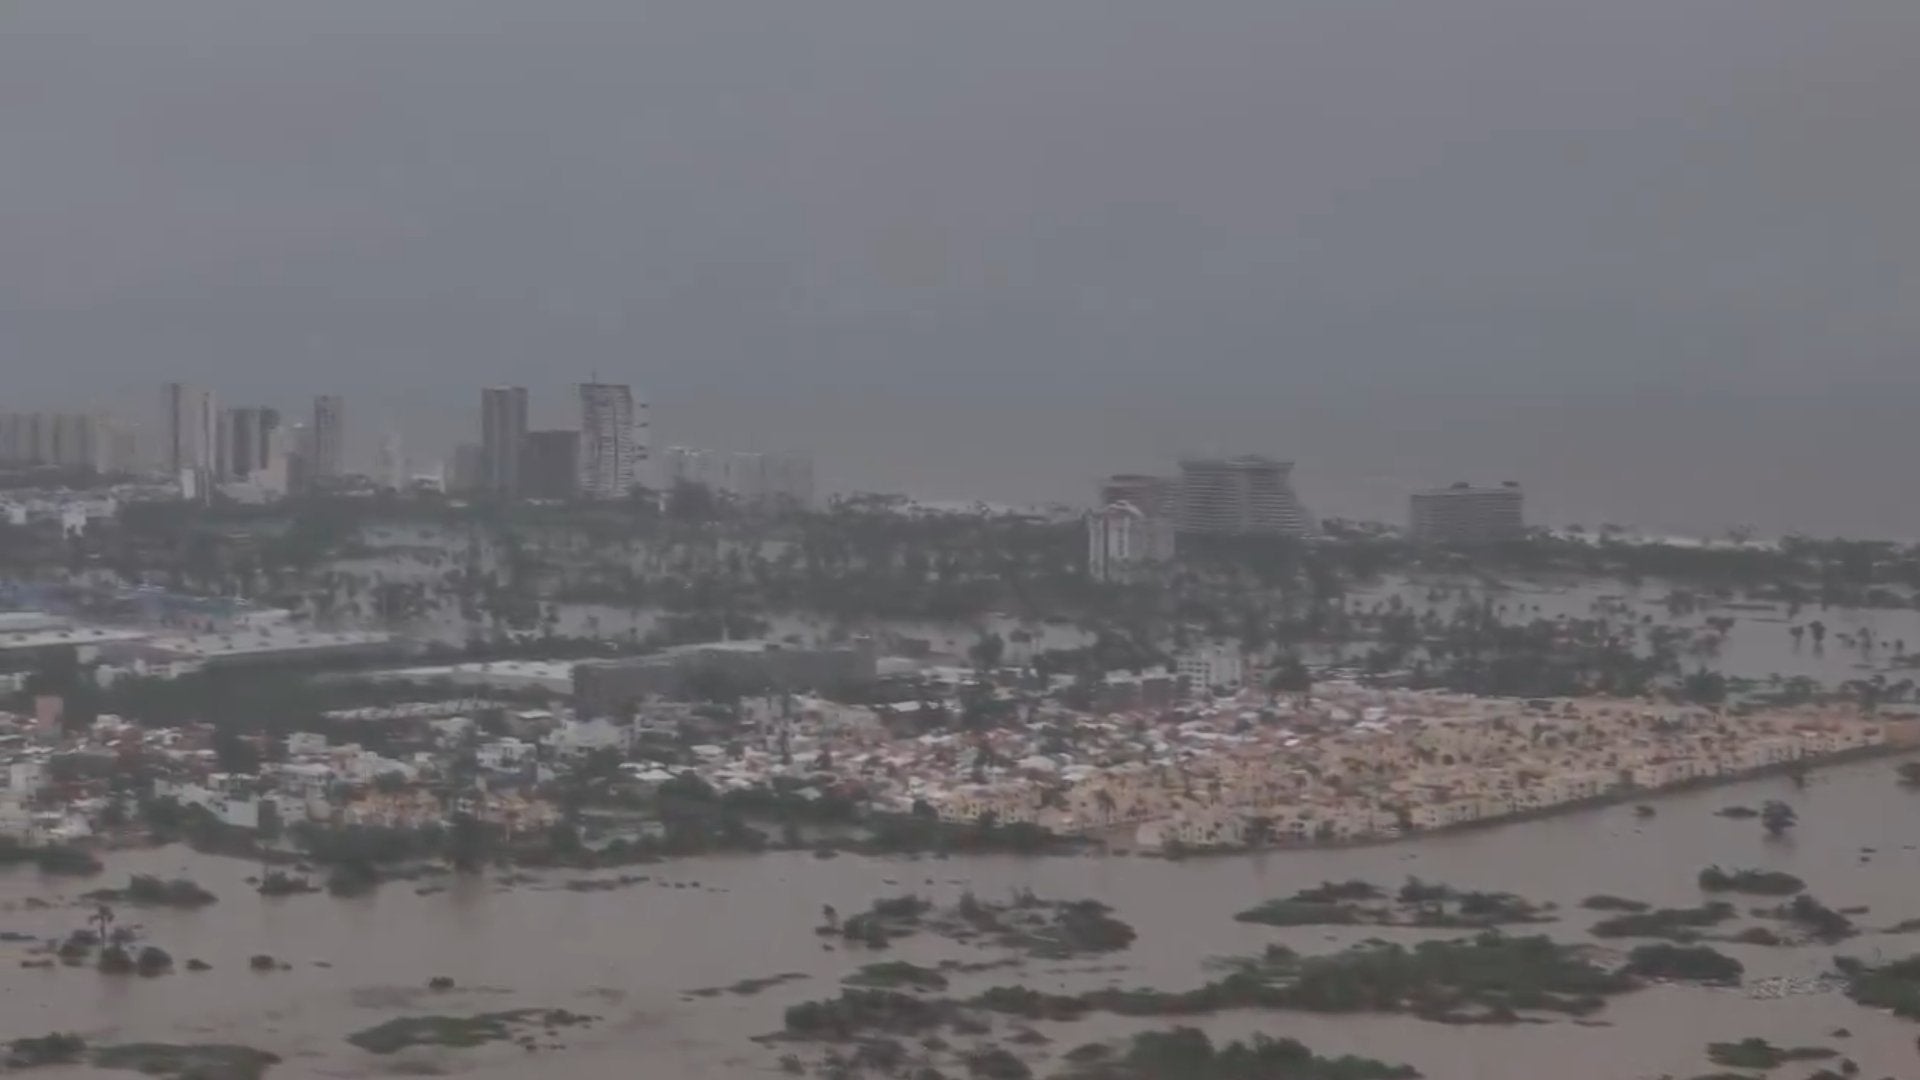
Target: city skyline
1397,251
742,473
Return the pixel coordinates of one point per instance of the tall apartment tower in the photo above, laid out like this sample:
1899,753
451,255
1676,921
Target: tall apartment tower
66,440
1464,514
329,438
249,435
613,440
192,429
390,464
1248,495
503,428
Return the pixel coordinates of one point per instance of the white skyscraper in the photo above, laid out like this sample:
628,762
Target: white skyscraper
613,440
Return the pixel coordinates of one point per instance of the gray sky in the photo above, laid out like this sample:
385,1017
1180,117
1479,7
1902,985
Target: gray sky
1657,260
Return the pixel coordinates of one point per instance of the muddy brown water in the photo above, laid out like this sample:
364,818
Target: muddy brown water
630,955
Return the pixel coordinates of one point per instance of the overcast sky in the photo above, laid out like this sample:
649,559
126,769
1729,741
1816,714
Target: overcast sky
1654,258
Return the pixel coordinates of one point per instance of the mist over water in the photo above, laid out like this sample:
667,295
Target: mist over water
1653,260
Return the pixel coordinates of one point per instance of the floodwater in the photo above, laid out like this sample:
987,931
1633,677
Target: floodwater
630,955
1759,645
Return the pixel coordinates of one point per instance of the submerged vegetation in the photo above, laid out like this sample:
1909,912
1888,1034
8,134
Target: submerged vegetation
1418,904
1041,928
1753,882
897,974
1185,1053
461,1031
1488,979
1674,924
1817,920
1894,986
58,1048
213,1061
1757,1053
146,890
1604,902
1695,963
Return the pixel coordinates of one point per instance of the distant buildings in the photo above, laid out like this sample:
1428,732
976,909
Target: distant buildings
503,427
1241,496
1124,542
613,439
390,465
754,480
1154,496
550,464
249,437
1211,667
464,472
63,440
1464,514
329,438
192,430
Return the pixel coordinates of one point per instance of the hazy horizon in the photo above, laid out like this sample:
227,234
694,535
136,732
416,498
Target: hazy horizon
1652,261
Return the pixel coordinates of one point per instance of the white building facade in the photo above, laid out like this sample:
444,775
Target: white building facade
613,440
1124,542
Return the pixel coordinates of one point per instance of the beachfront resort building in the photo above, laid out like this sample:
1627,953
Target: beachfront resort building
1245,496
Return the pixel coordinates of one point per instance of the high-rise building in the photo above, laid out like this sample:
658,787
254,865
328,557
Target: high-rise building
550,464
390,465
193,425
759,481
503,426
463,472
249,437
613,440
62,440
328,461
1125,542
1248,495
20,438
1464,514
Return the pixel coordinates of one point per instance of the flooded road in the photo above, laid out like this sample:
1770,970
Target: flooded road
631,955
